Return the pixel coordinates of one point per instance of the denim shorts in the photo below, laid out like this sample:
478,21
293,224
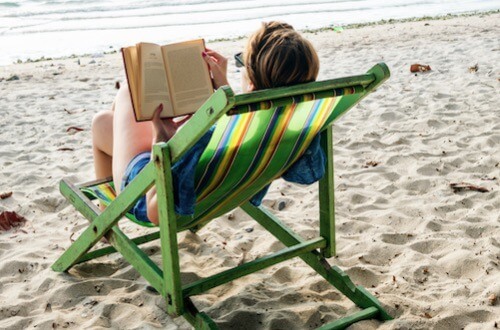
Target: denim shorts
139,210
183,177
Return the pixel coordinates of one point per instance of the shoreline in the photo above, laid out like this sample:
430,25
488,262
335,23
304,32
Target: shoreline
316,30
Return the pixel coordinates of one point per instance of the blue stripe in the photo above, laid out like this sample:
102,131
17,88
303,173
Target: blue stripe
219,153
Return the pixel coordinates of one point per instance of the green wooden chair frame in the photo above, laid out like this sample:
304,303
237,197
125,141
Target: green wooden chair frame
167,280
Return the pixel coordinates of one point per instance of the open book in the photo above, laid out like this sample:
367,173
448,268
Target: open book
175,75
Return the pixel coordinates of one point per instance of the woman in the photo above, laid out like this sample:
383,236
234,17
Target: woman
276,55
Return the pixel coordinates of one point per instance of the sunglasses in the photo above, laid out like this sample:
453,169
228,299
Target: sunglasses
239,60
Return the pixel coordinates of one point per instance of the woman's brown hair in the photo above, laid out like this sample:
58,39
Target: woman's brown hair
277,55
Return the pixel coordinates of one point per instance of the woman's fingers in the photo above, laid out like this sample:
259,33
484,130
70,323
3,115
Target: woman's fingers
221,60
210,61
218,69
215,58
216,55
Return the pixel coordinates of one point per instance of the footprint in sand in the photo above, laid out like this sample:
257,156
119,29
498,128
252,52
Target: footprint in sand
433,246
398,239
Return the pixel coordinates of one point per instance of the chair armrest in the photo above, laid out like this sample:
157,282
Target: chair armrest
381,73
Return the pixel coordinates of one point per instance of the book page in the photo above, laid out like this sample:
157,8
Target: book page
153,87
188,75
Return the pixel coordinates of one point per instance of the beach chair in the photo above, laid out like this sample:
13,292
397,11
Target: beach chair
258,136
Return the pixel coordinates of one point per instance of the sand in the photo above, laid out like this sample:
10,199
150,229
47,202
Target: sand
431,255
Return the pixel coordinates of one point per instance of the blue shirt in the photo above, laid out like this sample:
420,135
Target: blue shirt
309,168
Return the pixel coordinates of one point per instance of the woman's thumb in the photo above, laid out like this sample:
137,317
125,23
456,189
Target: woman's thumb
157,113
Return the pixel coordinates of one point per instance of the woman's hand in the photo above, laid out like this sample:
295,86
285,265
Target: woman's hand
218,67
164,129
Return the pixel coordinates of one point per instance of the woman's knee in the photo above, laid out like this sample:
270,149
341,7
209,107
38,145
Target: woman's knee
102,121
102,130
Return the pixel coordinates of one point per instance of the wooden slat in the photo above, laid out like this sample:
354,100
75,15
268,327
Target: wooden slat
284,101
168,231
344,322
110,249
326,197
318,86
81,203
208,283
137,258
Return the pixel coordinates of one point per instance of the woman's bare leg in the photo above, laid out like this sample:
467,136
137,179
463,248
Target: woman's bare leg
102,143
129,137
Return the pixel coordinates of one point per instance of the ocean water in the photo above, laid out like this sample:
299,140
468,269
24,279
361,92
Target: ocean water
53,28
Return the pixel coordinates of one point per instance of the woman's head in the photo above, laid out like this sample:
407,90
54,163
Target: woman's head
276,55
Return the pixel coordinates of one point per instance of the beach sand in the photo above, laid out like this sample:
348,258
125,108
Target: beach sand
431,255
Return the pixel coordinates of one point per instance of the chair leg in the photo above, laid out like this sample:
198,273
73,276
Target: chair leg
326,197
96,230
168,231
333,275
199,320
343,323
357,294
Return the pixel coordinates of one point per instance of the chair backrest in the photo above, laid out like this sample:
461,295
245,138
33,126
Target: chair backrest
263,135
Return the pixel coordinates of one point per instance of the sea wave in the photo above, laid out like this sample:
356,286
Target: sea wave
9,4
35,28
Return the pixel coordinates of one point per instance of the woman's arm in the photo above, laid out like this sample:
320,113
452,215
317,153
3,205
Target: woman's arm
163,130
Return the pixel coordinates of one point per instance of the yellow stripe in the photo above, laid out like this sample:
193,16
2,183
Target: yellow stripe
317,124
223,169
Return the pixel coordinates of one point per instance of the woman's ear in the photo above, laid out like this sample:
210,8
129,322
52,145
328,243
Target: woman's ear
246,85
